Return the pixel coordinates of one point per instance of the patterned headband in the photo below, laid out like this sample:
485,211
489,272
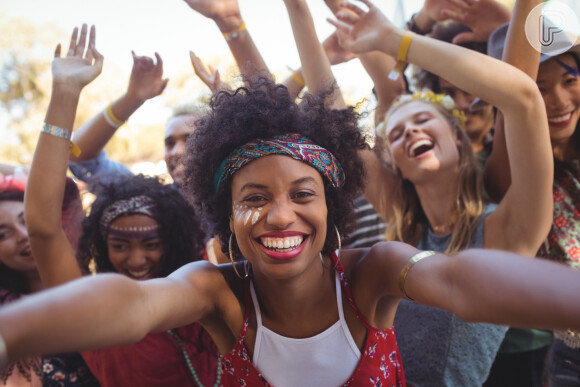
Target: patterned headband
136,205
294,145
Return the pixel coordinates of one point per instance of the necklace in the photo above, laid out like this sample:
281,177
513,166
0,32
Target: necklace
190,366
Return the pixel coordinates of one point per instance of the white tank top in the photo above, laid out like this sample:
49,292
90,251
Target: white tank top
327,359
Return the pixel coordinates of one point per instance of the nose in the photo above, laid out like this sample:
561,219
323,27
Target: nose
137,257
556,99
281,215
463,100
179,148
411,130
21,233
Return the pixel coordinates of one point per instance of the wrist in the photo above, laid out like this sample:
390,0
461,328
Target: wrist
420,23
229,23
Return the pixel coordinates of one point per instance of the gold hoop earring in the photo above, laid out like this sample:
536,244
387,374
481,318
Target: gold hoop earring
339,245
246,266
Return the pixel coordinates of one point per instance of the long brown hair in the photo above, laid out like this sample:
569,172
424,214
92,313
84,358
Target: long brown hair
408,219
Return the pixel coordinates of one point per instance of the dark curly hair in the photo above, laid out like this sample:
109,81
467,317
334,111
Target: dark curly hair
264,110
179,229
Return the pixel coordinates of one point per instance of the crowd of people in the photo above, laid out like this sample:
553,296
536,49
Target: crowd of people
290,252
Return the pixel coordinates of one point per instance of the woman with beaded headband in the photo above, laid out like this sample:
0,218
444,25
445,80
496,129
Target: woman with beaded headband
137,227
429,193
278,178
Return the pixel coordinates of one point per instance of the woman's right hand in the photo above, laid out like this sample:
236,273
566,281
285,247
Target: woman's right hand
79,67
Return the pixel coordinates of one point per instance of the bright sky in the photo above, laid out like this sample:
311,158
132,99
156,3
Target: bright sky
171,28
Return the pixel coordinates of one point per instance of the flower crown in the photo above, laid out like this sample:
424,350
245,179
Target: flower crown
443,100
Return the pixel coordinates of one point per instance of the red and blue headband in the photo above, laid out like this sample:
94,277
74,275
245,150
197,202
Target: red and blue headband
294,145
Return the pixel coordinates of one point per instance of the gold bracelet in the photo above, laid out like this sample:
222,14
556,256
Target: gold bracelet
298,79
405,270
401,56
235,33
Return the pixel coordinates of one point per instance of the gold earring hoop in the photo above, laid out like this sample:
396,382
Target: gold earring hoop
339,245
246,267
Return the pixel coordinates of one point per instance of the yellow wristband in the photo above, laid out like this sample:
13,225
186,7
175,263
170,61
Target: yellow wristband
235,33
405,270
401,56
111,117
298,79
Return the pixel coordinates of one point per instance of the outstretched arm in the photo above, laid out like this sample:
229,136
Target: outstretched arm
146,82
55,258
227,16
207,74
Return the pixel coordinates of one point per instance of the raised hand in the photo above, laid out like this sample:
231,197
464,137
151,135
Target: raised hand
208,75
359,31
335,53
435,9
79,67
482,16
146,79
225,13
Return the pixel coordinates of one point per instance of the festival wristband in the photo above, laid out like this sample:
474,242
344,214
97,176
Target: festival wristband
111,118
401,56
235,33
61,133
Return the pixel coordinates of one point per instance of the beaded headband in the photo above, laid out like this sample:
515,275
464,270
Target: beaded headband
294,145
136,205
443,100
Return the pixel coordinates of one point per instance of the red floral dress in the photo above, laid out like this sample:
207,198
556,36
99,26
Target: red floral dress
380,364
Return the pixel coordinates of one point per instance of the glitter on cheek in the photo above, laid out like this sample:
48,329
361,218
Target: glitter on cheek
247,216
255,217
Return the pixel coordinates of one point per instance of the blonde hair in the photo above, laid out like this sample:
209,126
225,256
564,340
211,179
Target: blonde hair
408,218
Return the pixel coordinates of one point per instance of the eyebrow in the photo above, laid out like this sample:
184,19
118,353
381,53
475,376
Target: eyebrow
306,179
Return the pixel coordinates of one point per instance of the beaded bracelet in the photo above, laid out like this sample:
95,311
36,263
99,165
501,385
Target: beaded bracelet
235,33
401,56
111,118
412,26
405,270
62,133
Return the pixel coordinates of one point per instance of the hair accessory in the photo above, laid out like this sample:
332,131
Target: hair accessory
111,118
298,147
246,268
136,205
235,33
443,100
414,259
62,133
401,56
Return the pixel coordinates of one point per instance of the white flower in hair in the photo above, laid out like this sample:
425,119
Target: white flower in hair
448,103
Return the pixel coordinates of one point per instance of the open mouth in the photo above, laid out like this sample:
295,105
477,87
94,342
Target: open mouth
140,274
419,147
282,245
26,252
561,120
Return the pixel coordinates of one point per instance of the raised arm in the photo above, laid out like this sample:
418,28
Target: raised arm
315,64
228,18
513,226
519,53
53,253
207,74
146,82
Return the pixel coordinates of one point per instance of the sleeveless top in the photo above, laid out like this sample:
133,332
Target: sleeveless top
437,347
379,364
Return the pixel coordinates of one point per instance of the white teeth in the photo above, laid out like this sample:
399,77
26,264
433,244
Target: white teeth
416,145
556,120
282,243
138,274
